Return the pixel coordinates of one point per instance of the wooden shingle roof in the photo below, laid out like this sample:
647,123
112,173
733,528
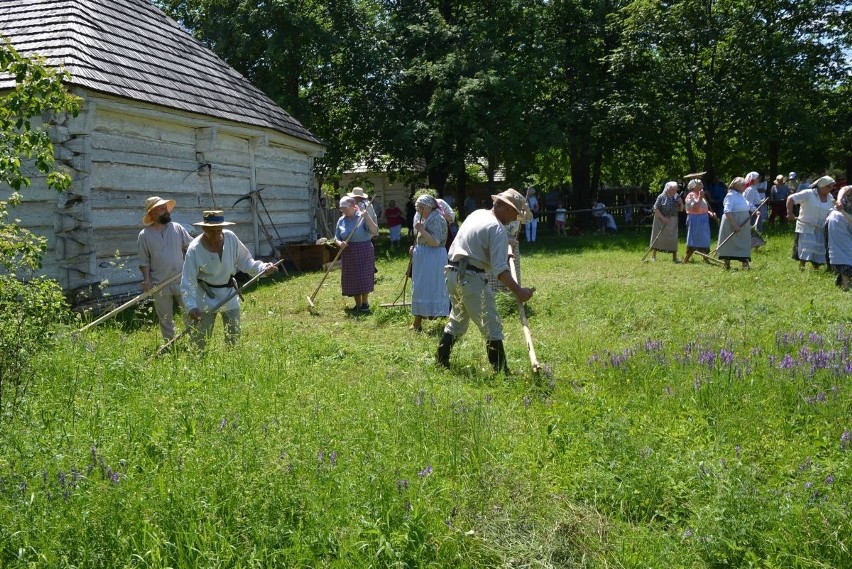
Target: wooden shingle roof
131,49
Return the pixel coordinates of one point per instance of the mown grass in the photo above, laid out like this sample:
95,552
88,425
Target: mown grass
690,418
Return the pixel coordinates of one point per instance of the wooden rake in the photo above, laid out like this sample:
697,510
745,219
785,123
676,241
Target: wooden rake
331,264
132,302
654,242
536,366
396,303
234,292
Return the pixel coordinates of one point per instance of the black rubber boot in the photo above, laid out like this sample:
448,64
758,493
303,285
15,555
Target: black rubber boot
445,346
497,356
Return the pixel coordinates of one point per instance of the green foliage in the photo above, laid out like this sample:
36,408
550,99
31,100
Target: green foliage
30,314
702,425
29,311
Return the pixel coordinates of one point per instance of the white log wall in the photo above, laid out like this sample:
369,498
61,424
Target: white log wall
120,152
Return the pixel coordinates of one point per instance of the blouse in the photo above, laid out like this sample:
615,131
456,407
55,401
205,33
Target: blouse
345,226
666,205
735,202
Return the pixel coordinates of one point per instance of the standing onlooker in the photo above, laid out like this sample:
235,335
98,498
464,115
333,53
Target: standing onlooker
735,229
481,247
717,195
838,228
531,226
359,257
212,260
698,216
469,205
664,230
162,246
410,213
814,206
598,209
561,215
778,199
429,297
393,216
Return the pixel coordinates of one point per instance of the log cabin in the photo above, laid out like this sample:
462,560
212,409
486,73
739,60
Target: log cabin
161,115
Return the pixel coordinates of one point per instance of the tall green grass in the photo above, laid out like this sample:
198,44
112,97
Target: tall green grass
691,417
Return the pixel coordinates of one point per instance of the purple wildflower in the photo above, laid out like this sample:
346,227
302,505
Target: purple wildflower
846,440
332,458
788,362
707,357
727,356
223,423
401,485
320,457
829,479
808,485
113,476
425,472
687,534
61,479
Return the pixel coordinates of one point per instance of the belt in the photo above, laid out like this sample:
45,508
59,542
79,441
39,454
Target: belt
470,267
226,285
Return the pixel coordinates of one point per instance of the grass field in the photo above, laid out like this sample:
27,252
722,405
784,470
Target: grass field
690,417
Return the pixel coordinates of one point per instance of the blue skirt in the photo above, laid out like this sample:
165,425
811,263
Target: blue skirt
698,230
429,295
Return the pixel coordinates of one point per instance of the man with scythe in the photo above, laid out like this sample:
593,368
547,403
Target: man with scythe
162,245
212,260
482,247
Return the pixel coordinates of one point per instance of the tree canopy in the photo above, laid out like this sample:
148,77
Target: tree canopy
553,92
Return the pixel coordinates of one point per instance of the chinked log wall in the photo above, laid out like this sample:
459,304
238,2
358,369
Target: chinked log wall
119,153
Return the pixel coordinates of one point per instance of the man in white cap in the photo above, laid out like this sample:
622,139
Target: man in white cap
480,247
212,260
162,245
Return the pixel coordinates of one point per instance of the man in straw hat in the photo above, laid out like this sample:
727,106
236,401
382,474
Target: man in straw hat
481,247
212,260
162,245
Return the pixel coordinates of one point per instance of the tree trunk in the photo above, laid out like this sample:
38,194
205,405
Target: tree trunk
580,176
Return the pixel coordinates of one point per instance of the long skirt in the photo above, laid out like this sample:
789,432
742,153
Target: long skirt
810,247
429,295
698,231
737,246
358,268
664,237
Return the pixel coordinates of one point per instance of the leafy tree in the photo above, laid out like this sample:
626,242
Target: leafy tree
743,82
29,311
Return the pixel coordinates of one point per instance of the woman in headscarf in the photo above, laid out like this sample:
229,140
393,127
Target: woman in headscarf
814,206
838,238
664,230
698,216
353,234
429,297
735,229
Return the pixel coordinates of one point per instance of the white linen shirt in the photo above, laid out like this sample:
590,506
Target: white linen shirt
813,210
483,240
203,265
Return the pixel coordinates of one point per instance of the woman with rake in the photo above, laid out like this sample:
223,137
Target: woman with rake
664,229
814,206
735,229
838,228
429,297
353,234
698,216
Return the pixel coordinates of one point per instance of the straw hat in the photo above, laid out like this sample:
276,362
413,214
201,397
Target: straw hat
514,199
153,202
358,193
213,218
